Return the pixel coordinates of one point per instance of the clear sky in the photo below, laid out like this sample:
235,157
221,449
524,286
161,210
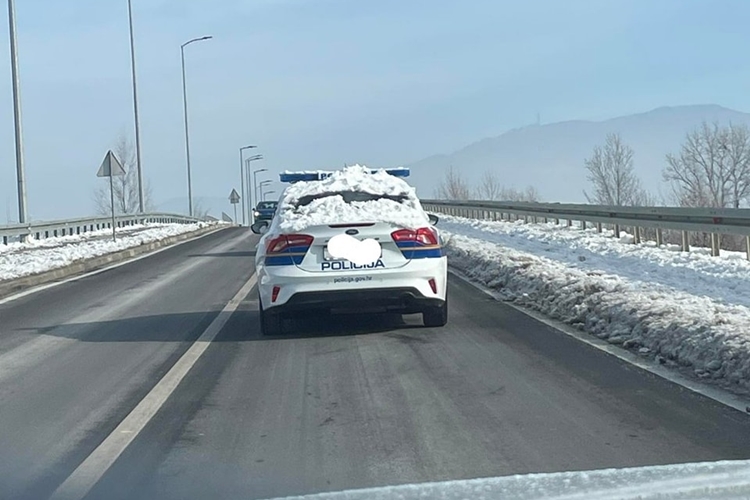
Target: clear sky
317,83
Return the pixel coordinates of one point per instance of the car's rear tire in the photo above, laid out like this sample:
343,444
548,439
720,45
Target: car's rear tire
436,315
270,322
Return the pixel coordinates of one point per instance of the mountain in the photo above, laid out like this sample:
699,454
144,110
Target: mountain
550,157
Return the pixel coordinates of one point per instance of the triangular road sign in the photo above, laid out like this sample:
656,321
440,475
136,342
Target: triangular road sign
234,197
111,166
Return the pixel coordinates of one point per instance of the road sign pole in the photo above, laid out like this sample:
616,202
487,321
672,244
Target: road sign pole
112,201
235,212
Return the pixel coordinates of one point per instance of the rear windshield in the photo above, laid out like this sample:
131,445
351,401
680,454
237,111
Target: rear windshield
350,196
263,205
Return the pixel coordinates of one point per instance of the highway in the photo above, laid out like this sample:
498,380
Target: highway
353,402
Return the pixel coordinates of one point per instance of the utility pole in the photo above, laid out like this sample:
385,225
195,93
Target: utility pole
20,173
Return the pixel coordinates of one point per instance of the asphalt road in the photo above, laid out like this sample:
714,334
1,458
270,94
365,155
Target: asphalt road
348,402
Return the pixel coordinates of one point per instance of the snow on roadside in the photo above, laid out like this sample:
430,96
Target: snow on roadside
691,311
36,256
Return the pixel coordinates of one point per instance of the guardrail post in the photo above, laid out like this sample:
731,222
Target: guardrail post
557,221
583,225
685,242
715,244
525,219
747,247
636,235
570,223
599,227
545,220
617,230
659,237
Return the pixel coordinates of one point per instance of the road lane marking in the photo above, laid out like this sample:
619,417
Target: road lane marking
88,473
717,394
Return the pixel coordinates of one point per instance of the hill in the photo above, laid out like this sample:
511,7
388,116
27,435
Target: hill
550,157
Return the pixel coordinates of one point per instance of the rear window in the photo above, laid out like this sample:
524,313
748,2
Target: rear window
264,205
350,196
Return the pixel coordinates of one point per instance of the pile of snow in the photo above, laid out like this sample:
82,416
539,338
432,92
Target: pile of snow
687,310
333,209
37,256
710,480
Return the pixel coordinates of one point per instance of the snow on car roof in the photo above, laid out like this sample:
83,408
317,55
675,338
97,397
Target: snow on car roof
399,204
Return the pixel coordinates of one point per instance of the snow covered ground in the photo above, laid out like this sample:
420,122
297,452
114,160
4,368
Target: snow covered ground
688,310
711,480
36,256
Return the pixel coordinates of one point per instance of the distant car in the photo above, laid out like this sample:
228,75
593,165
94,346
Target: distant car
265,210
301,270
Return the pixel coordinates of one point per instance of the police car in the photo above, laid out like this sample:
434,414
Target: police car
354,239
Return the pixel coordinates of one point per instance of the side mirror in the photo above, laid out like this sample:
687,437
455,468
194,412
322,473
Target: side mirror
260,227
433,219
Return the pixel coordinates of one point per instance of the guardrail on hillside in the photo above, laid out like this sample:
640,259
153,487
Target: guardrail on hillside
51,229
714,221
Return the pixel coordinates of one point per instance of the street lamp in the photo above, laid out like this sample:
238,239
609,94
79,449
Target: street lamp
135,112
260,187
185,111
242,181
255,181
20,174
268,192
247,180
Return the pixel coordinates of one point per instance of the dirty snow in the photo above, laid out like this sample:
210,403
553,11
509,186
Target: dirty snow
712,480
333,209
691,311
36,256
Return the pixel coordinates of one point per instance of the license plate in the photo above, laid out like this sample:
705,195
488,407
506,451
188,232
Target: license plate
328,256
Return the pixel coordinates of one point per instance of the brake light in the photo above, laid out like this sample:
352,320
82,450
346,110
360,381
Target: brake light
275,293
285,241
433,285
423,236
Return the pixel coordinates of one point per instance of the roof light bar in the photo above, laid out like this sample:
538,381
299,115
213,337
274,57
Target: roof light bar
319,175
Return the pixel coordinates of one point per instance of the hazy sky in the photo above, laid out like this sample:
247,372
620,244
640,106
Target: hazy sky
316,83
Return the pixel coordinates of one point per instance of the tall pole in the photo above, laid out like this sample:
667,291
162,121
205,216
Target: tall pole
247,181
185,112
187,133
242,181
20,173
141,207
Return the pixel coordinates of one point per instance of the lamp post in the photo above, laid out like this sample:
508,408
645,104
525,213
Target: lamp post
255,180
20,173
242,182
260,187
268,192
247,180
141,207
185,111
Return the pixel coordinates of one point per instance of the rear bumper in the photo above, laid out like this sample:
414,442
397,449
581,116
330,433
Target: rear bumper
401,299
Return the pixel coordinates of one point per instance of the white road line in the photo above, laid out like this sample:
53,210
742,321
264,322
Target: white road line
717,394
77,277
80,482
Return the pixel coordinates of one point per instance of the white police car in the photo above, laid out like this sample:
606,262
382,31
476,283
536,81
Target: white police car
350,239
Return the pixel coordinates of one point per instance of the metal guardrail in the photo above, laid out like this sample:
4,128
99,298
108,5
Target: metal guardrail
714,221
51,229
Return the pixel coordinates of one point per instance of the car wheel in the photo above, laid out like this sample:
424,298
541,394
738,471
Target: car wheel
436,315
270,322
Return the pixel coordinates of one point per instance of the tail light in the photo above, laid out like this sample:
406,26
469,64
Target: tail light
423,236
433,285
275,293
284,242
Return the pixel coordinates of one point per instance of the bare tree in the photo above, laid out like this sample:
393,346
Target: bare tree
612,175
125,186
453,187
199,212
489,187
712,168
529,194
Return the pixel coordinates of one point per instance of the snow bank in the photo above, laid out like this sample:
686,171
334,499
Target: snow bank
711,480
333,209
682,310
36,256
